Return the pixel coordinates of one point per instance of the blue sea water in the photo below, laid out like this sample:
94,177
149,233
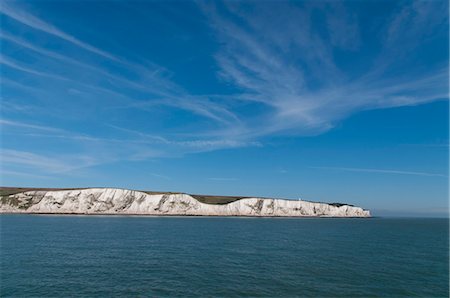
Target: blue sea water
97,256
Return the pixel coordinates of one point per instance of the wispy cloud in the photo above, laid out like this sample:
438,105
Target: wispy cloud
261,43
152,82
90,150
309,96
51,164
191,145
27,125
22,174
275,59
8,8
381,171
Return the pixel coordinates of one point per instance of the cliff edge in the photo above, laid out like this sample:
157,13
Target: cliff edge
131,202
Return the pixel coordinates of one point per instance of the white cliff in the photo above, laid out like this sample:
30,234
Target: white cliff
121,201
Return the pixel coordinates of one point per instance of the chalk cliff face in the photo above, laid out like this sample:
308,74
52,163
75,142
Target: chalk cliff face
121,201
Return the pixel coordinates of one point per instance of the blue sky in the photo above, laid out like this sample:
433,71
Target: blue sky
328,101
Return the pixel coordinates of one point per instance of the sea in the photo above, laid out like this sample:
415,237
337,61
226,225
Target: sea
132,256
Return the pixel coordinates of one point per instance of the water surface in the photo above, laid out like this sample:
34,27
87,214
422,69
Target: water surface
93,256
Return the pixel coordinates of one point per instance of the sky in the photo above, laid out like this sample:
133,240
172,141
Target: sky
331,101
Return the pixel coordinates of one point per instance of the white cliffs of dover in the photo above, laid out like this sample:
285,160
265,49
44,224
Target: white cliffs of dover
130,202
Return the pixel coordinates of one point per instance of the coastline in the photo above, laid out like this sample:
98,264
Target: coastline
176,215
112,201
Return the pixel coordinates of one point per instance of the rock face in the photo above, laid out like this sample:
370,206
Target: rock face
121,201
